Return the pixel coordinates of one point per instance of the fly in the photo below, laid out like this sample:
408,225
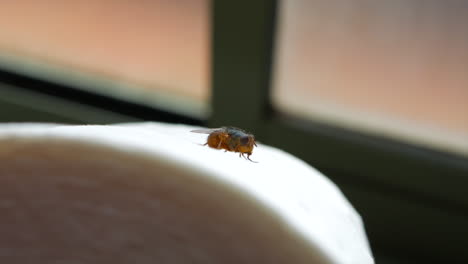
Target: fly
230,139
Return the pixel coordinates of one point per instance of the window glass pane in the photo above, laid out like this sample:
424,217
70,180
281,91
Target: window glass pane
397,68
153,52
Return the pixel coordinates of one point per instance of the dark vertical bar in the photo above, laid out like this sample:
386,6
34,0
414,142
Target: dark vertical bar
243,33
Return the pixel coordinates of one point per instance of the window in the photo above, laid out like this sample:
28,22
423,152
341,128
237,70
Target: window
393,68
150,52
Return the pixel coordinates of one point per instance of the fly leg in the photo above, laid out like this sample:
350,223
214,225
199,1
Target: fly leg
248,157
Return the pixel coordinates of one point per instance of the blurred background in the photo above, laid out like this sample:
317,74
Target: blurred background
372,93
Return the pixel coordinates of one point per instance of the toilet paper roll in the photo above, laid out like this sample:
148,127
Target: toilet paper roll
151,193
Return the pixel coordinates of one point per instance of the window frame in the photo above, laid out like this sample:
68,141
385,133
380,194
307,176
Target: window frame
73,104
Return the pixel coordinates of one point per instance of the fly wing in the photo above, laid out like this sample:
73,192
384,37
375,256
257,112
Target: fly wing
206,131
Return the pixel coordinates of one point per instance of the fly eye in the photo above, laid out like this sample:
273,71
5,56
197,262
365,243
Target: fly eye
244,140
